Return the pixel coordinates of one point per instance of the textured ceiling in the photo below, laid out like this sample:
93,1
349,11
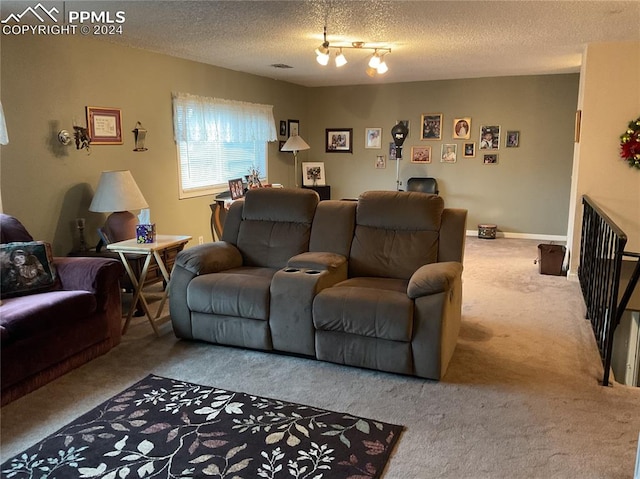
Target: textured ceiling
430,40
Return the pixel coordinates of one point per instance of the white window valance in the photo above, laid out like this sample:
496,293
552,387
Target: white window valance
198,118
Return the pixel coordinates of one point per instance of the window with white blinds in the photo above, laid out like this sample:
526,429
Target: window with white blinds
219,140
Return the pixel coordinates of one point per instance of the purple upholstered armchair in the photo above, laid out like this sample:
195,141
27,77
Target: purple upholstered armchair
47,333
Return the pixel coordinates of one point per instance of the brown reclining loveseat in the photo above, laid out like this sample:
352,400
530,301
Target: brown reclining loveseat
374,283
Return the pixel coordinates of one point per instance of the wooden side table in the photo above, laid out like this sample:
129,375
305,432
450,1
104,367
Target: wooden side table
323,191
158,251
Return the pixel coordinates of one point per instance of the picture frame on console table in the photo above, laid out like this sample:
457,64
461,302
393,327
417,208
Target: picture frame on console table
313,174
104,125
339,140
236,188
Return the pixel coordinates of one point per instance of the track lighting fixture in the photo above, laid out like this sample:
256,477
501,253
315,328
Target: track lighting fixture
376,65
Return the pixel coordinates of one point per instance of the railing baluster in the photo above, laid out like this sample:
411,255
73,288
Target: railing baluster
601,251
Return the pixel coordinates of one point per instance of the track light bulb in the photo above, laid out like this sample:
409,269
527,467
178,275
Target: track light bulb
323,58
371,72
340,59
375,60
382,68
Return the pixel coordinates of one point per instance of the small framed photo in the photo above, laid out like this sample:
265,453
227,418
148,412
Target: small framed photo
431,126
339,140
489,137
283,128
381,162
104,125
294,127
513,139
469,150
236,188
490,159
373,138
449,153
313,174
462,128
281,144
392,151
420,154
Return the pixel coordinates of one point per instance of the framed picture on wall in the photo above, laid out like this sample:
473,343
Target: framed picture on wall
420,154
373,138
489,137
431,126
469,150
392,150
283,128
105,125
513,139
381,162
449,153
294,127
490,159
462,128
339,140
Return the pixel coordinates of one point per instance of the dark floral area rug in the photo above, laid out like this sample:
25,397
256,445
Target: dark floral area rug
164,428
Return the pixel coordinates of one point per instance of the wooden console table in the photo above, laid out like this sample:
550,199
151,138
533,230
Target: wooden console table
323,191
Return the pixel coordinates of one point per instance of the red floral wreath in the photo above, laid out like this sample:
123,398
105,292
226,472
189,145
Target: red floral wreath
630,144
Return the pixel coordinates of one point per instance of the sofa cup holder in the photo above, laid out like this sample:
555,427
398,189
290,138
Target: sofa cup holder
289,269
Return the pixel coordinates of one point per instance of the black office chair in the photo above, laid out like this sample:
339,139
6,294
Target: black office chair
424,185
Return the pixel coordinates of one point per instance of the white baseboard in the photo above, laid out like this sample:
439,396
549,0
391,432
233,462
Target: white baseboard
533,236
573,276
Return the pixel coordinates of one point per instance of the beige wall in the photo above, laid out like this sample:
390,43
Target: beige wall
47,81
527,192
609,99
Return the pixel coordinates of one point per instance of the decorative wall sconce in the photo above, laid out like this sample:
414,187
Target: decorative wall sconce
81,136
140,135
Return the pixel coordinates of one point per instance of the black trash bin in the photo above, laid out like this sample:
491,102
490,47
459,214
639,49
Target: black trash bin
550,259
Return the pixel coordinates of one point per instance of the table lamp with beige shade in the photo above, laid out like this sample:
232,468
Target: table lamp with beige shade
117,193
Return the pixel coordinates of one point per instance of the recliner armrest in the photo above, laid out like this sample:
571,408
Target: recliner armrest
99,276
87,273
318,260
209,258
434,278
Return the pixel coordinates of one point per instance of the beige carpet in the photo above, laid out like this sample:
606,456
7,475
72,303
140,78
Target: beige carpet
521,398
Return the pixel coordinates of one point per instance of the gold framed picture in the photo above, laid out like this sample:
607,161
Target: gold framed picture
462,128
431,126
420,154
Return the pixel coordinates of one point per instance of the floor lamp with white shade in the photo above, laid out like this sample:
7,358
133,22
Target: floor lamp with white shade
295,144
